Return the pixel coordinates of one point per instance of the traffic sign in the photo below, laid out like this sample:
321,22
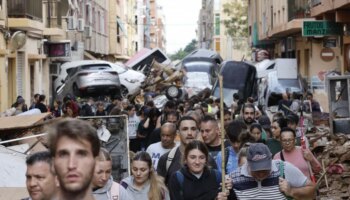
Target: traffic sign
321,28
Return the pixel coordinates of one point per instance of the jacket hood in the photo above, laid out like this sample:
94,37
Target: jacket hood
130,182
105,188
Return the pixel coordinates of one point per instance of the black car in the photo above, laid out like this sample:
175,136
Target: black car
238,77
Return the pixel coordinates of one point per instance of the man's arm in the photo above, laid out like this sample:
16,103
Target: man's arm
161,167
305,192
296,183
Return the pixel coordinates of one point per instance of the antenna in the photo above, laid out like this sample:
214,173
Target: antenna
18,40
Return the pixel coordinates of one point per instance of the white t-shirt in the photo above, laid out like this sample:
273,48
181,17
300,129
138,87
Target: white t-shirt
133,123
156,150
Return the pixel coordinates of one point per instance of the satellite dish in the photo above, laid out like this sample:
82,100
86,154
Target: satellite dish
18,40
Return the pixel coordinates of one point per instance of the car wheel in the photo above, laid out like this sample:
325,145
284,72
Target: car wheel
124,91
76,90
173,92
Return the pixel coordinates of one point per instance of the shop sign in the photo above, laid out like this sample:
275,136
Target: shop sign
321,28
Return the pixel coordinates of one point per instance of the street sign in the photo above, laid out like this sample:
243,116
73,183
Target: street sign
321,28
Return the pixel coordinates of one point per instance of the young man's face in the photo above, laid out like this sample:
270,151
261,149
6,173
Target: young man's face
40,181
210,132
188,131
74,163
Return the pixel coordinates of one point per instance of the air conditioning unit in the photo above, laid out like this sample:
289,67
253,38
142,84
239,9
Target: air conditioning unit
290,44
70,23
81,25
88,31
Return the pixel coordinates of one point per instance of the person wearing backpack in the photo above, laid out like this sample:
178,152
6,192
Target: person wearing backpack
195,180
263,178
104,188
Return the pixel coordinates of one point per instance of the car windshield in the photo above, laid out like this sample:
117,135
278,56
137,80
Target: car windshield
198,67
119,69
197,80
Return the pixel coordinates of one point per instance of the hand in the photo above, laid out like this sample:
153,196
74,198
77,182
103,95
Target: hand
307,154
222,196
284,186
228,183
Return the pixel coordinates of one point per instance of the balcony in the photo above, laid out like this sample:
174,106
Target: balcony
26,15
298,9
31,9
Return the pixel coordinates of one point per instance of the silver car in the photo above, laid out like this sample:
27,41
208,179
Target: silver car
87,79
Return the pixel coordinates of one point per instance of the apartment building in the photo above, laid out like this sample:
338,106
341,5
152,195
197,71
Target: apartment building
37,36
315,32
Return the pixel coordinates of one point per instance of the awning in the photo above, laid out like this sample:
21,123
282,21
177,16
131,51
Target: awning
89,56
121,26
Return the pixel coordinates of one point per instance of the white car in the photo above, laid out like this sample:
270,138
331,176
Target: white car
130,80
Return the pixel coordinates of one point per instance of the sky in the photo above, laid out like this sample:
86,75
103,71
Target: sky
181,17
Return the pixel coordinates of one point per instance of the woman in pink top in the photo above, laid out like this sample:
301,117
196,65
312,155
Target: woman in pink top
295,154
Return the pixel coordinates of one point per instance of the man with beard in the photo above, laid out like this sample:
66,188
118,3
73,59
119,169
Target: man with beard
248,114
170,162
41,184
74,146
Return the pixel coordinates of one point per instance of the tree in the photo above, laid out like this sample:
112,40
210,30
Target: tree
181,53
237,23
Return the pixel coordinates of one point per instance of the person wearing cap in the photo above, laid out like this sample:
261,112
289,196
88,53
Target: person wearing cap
263,178
265,123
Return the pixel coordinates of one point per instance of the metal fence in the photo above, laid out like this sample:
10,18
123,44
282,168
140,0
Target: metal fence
32,9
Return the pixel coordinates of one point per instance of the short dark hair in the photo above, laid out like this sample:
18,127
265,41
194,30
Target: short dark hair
292,118
234,130
255,125
129,107
41,156
75,129
42,97
208,118
36,95
282,122
196,144
185,118
248,105
287,129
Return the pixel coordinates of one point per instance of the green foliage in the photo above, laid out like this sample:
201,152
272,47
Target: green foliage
181,53
237,23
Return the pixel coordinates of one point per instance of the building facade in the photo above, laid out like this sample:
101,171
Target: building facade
277,26
37,36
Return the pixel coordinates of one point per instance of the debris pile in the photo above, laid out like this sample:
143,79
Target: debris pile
334,182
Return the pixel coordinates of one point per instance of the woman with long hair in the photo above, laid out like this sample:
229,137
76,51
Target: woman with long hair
195,180
144,183
104,188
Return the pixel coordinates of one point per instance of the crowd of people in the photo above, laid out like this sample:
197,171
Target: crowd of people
177,153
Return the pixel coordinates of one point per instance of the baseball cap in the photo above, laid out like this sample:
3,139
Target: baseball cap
259,157
265,122
293,118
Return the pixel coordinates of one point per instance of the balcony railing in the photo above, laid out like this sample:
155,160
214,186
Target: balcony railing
298,9
32,9
315,2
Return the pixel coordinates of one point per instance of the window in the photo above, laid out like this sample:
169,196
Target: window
118,31
217,24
